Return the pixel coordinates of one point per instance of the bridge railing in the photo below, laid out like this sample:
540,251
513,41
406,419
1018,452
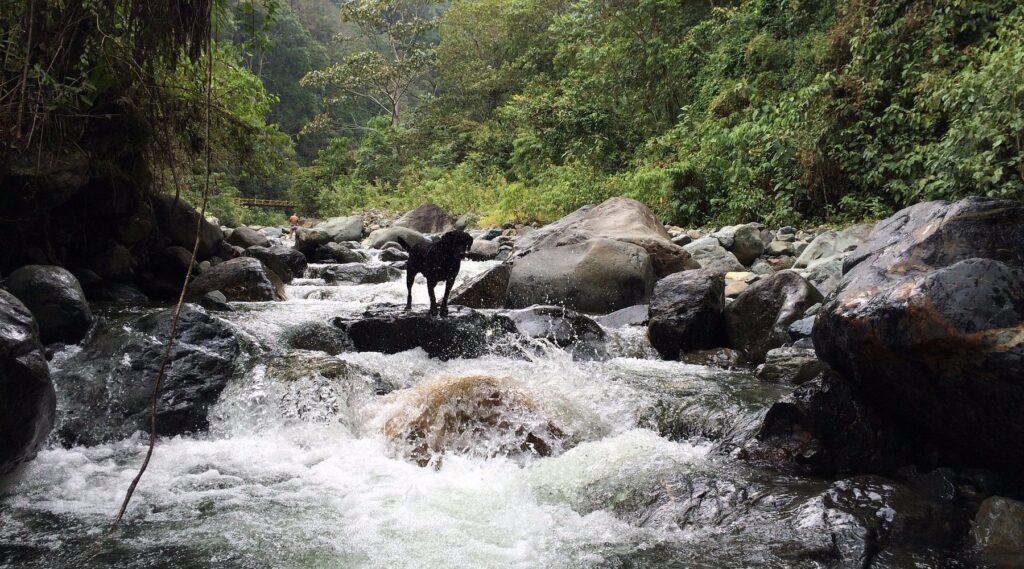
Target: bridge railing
266,202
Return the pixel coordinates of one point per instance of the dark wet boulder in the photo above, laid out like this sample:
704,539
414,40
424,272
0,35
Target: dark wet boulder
285,262
997,533
317,337
114,264
795,366
307,241
686,313
342,228
637,315
565,328
486,290
116,292
339,253
393,253
464,333
928,324
802,328
173,262
620,219
215,301
55,299
246,237
824,428
359,273
597,276
241,279
758,320
27,400
178,221
381,237
428,218
105,389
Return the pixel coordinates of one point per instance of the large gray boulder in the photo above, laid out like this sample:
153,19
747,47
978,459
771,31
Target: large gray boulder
486,290
428,218
177,220
743,241
596,276
308,241
928,324
381,237
27,400
833,243
286,262
241,279
105,389
246,237
621,219
710,255
342,228
686,313
55,299
482,250
758,320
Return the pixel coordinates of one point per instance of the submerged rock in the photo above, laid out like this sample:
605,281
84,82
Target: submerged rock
928,324
244,279
686,313
55,299
565,328
27,400
472,415
105,388
464,333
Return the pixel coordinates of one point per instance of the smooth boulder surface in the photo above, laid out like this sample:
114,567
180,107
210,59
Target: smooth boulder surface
709,254
389,328
833,244
795,366
686,313
105,389
758,320
997,533
246,237
56,300
743,241
565,328
286,262
307,241
27,399
482,250
177,220
428,218
631,316
243,279
381,237
621,219
596,276
337,253
486,290
928,323
359,273
342,228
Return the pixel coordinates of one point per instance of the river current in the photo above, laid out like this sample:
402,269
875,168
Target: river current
299,473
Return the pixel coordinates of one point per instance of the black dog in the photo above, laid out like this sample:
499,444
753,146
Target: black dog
438,261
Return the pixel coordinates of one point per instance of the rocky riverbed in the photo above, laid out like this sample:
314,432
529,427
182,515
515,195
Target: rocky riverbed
608,392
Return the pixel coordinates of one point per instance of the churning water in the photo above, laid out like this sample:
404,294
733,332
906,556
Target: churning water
296,469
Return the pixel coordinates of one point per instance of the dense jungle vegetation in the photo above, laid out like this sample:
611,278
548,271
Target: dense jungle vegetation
782,111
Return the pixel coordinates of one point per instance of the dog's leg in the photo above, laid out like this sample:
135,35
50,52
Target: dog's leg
444,300
430,292
410,278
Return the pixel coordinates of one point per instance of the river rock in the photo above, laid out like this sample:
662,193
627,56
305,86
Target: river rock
482,250
317,337
177,220
116,292
597,276
833,243
272,232
246,237
744,241
137,227
686,313
242,279
27,400
381,237
342,228
307,241
997,533
106,388
620,219
758,320
471,415
826,273
565,328
338,253
173,262
802,328
711,256
389,328
927,324
55,299
637,315
359,273
795,366
215,301
115,264
393,253
286,262
428,218
486,290
780,249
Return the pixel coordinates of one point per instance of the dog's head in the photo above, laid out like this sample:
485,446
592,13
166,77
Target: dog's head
456,243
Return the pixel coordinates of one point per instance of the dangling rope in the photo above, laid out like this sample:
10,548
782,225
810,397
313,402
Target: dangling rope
165,359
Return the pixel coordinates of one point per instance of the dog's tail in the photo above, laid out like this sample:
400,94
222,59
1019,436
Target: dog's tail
405,244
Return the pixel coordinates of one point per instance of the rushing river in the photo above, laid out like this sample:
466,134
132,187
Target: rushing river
298,473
